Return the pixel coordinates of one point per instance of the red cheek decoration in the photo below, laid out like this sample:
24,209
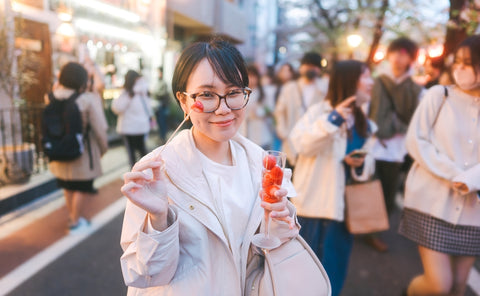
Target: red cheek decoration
198,106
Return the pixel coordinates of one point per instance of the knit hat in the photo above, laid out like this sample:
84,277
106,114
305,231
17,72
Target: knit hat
74,76
312,58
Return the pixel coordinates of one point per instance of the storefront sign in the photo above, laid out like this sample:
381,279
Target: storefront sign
28,44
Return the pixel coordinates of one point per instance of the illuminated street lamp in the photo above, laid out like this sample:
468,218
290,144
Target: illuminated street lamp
354,41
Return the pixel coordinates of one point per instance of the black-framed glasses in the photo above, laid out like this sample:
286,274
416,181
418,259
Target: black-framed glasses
235,99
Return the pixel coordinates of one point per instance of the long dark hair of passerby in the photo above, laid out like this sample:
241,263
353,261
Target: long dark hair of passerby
343,84
130,79
278,81
252,70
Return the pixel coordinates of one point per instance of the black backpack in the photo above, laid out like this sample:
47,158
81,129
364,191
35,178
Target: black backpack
62,129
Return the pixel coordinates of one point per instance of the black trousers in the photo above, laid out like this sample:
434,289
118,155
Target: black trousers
389,174
135,143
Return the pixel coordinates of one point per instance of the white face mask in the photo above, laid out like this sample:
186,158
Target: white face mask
465,78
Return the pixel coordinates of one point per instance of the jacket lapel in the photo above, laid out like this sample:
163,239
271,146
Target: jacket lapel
183,168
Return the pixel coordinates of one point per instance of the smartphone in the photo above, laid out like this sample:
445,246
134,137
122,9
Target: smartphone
358,153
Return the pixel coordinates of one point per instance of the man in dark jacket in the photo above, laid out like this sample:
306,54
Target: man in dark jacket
395,97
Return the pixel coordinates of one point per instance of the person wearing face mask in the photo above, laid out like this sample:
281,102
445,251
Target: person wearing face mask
296,97
325,138
442,203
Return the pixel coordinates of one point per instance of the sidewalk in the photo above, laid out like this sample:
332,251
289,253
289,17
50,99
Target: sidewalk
30,229
32,234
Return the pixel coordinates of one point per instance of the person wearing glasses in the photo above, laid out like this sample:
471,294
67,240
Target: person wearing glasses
193,205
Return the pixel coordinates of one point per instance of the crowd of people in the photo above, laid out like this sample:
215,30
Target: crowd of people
192,204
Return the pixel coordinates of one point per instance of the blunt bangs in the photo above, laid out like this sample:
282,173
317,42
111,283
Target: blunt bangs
226,61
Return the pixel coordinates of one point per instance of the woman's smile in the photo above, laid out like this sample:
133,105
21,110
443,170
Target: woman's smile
223,123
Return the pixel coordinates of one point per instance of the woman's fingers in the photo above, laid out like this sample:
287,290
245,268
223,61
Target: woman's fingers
278,206
136,177
347,102
157,171
128,189
146,164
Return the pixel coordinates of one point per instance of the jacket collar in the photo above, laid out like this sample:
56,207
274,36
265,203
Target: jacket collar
184,169
63,93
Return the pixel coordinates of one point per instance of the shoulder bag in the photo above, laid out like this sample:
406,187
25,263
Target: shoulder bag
291,269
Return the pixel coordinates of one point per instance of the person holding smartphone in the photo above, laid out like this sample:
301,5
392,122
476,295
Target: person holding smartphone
328,138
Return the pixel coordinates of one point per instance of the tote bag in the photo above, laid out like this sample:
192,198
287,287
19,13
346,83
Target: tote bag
365,208
291,269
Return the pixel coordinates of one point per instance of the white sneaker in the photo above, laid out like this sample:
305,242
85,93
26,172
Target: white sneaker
82,226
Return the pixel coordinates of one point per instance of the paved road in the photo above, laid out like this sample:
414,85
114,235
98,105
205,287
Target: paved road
372,273
91,268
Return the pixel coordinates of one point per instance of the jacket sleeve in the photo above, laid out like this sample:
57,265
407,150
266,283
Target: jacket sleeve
149,259
120,104
280,114
98,123
313,132
418,139
470,177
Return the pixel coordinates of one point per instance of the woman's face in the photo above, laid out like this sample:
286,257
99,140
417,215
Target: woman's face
284,74
365,82
364,88
252,80
220,125
466,76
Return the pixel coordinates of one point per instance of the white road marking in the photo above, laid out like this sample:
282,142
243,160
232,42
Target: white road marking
46,205
474,281
23,272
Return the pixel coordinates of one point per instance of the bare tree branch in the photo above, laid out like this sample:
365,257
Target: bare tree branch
378,31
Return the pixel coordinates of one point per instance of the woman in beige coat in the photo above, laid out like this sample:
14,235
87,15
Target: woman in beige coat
76,176
193,205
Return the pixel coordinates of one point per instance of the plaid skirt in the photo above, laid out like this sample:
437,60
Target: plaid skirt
439,235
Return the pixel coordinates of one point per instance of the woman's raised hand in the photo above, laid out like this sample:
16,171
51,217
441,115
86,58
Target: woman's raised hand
145,187
344,108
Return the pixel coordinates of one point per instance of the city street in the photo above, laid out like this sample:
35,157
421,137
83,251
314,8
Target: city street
88,264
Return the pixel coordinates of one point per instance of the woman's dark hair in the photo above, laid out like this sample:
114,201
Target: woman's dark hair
343,84
473,44
403,43
225,59
252,70
279,83
130,79
73,76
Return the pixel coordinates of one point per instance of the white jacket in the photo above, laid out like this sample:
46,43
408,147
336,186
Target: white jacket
450,152
290,108
192,256
133,113
319,176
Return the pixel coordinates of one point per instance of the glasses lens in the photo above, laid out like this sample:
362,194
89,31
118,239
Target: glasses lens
209,101
236,99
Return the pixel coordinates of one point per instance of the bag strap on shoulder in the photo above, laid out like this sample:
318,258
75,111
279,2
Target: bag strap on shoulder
445,96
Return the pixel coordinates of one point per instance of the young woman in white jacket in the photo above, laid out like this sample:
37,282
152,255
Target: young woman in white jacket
134,111
193,205
324,138
442,203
